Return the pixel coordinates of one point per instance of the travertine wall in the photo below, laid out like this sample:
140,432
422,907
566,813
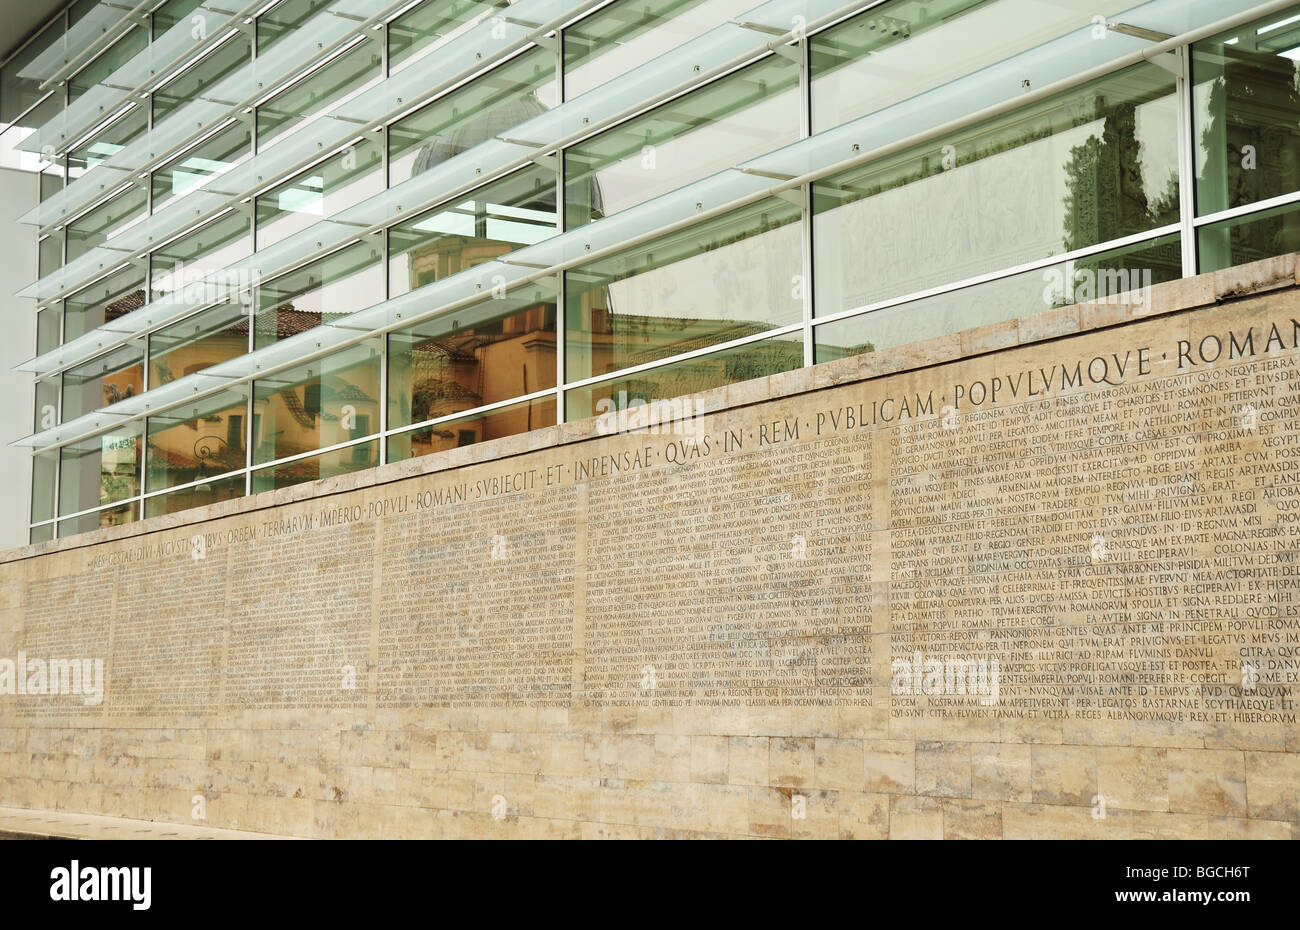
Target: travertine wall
749,623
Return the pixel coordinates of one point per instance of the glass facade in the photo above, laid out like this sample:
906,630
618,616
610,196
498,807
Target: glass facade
319,242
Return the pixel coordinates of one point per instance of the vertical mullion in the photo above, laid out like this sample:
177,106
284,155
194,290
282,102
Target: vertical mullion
1186,164
561,301
806,240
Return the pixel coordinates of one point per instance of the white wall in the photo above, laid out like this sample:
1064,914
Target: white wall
18,194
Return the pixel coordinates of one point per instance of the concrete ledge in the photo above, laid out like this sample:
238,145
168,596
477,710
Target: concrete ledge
16,823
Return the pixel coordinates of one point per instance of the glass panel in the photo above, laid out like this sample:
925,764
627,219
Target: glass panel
113,516
742,363
231,54
349,280
171,13
1130,271
18,94
101,470
96,226
1094,164
47,330
468,430
432,25
50,254
339,182
40,534
46,413
494,351
340,78
103,381
483,109
896,51
115,296
630,33
203,340
516,211
45,466
108,141
51,181
742,116
201,495
317,467
322,403
215,155
1246,113
197,441
102,68
183,264
10,155
1249,238
285,17
724,279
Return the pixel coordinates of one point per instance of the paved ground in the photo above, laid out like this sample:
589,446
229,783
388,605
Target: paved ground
16,823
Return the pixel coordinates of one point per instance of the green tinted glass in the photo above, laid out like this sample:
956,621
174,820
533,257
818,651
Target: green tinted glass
1246,113
703,373
727,278
741,116
1094,164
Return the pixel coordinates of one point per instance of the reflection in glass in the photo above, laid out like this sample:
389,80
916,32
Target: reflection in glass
343,282
483,109
1126,271
103,66
339,182
342,77
750,112
322,403
474,428
107,141
201,341
703,373
112,516
220,62
723,279
1246,116
112,377
200,495
895,51
215,155
1093,164
197,441
516,211
1249,238
189,268
317,467
489,352
96,226
283,18
101,470
431,25
631,33
45,466
108,299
